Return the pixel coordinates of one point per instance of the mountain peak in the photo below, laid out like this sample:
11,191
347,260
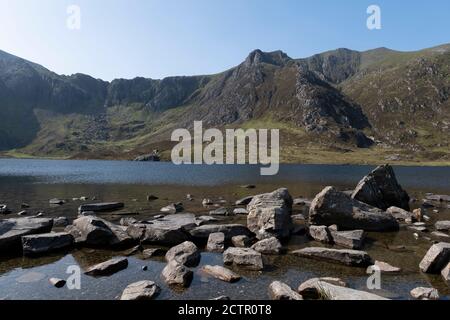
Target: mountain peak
277,58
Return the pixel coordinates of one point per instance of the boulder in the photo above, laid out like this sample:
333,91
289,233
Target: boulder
107,268
351,239
99,207
334,207
422,293
351,258
381,189
241,241
270,214
437,257
185,253
320,233
177,274
281,291
308,289
243,257
142,290
12,231
318,289
230,230
46,242
221,273
386,267
446,273
443,225
268,246
216,242
244,201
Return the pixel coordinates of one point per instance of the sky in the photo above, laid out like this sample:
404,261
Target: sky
159,38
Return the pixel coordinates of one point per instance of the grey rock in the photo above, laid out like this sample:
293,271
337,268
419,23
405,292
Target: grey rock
221,273
243,257
446,273
281,291
216,242
177,274
436,258
173,208
45,243
142,290
241,241
440,235
56,201
381,189
352,258
351,239
244,201
99,207
386,267
438,198
320,233
128,221
219,212
61,222
230,230
422,293
268,246
400,214
240,211
185,253
107,268
443,225
270,214
333,207
153,252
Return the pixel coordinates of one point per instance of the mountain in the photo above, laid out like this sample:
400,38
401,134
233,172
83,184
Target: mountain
341,106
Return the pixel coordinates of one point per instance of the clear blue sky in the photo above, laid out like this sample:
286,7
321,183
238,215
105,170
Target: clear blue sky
158,38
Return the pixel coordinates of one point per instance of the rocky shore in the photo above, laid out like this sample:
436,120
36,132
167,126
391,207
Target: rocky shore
335,224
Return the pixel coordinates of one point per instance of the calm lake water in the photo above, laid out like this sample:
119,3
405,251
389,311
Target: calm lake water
36,181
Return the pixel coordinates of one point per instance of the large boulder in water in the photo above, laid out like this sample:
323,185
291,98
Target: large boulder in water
334,207
47,242
381,189
270,214
12,230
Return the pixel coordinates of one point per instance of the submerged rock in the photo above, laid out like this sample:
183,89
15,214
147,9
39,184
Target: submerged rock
45,243
230,230
386,267
422,293
107,268
221,273
185,253
142,290
436,258
352,258
381,189
333,207
177,274
99,207
443,225
281,291
243,257
270,214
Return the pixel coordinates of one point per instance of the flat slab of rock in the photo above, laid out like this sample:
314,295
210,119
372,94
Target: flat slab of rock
268,246
107,268
46,242
381,189
351,258
99,207
309,289
438,198
243,257
281,291
443,225
221,273
270,215
327,291
437,257
142,290
12,230
351,239
386,267
185,253
332,207
230,230
177,274
422,293
216,242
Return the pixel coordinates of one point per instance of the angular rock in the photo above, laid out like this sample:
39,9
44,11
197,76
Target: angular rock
333,207
142,290
176,274
230,230
241,241
99,207
443,225
46,242
12,231
107,268
243,257
401,214
437,257
386,267
351,258
221,273
216,242
270,214
244,201
320,233
154,252
351,239
268,246
381,189
422,293
318,289
185,253
281,291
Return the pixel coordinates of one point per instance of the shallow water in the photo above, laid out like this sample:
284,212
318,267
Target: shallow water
36,181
